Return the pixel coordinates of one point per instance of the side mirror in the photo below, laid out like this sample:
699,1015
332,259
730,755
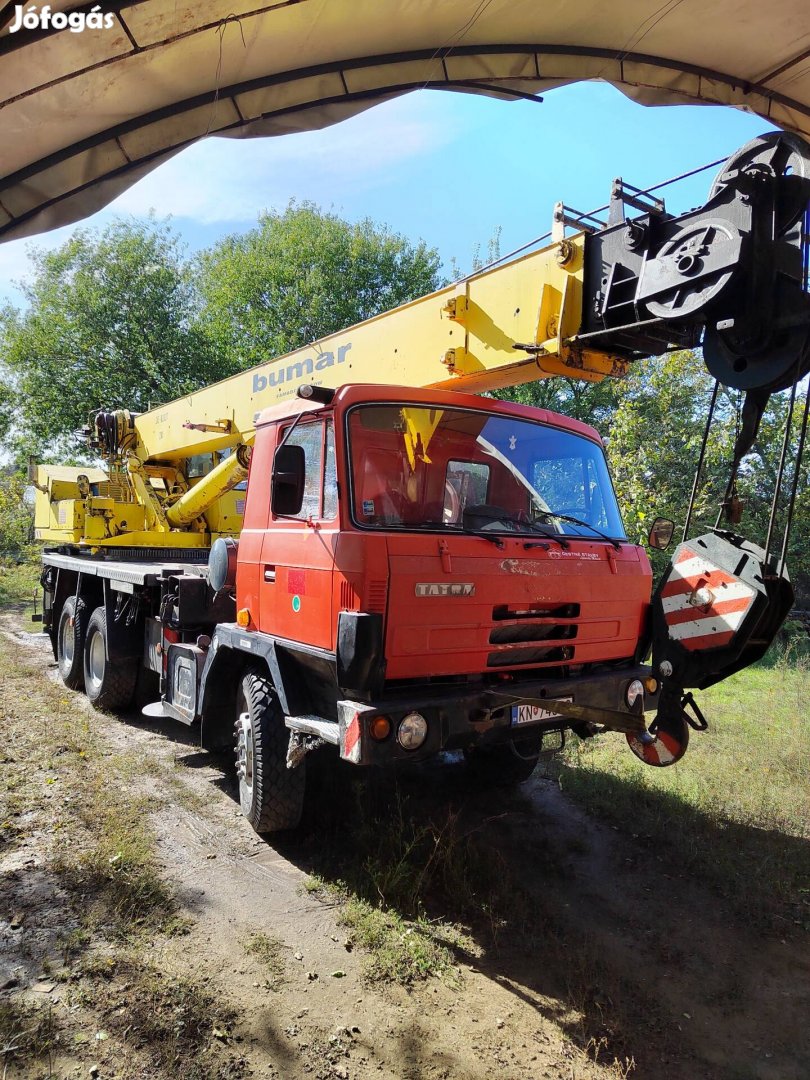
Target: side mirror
661,533
287,487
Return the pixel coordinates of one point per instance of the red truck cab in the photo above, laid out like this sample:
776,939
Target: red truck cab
423,570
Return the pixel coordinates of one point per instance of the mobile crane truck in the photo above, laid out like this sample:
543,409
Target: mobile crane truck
348,546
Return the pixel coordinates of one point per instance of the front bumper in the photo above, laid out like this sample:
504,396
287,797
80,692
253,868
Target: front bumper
483,717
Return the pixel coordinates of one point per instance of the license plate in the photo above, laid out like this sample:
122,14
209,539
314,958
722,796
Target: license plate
530,714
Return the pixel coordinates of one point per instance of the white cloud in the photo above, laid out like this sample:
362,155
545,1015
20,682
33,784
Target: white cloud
230,180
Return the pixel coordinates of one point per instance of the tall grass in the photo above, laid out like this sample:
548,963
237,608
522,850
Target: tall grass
19,580
735,811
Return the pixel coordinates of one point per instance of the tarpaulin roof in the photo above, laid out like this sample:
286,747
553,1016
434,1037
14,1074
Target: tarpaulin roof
86,110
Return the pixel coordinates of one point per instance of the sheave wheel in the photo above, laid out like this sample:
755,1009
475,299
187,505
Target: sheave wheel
505,765
108,684
270,794
70,643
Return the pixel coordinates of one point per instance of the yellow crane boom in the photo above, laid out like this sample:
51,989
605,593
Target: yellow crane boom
730,275
505,326
462,337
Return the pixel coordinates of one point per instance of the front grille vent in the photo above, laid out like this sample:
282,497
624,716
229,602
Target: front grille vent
503,612
514,657
515,627
512,633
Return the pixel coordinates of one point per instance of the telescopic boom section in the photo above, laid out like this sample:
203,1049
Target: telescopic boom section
466,337
731,275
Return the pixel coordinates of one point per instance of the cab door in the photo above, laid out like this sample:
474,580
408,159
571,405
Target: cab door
298,552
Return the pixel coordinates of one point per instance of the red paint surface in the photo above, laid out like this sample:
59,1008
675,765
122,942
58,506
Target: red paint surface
326,562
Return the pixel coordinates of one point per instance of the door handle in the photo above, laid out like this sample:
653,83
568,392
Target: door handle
269,573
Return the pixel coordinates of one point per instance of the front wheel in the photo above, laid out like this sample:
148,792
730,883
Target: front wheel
505,765
108,685
270,794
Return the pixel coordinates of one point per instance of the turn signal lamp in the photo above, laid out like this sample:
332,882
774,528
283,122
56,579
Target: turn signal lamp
243,617
380,728
651,684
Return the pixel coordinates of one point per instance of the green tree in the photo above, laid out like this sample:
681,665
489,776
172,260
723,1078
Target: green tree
653,422
109,323
591,402
16,516
300,275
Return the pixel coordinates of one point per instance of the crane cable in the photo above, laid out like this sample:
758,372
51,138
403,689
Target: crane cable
599,210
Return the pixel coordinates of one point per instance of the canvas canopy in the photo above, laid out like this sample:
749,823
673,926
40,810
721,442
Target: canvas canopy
88,108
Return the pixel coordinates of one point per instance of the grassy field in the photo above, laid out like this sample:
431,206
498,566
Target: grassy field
735,812
19,585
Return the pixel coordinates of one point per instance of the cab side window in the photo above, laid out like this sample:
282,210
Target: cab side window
320,483
330,483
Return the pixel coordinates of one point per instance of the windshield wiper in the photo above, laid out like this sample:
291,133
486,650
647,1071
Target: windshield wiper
578,521
497,514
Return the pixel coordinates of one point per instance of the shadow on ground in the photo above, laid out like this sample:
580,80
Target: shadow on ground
622,942
607,935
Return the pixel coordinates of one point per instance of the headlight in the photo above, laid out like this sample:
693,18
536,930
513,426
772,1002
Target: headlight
412,731
634,691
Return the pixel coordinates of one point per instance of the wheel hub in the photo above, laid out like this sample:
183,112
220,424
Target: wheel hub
66,643
97,659
244,757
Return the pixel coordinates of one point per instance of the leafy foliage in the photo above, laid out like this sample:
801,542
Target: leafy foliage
653,421
592,403
109,322
300,275
16,517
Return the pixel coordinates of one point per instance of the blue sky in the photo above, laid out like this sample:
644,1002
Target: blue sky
447,168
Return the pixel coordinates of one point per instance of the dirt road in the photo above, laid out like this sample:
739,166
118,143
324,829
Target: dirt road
608,964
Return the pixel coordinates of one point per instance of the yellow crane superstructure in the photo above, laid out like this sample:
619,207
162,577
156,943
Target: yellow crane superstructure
730,275
508,325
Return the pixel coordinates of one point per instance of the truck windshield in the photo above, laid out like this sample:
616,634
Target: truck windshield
415,467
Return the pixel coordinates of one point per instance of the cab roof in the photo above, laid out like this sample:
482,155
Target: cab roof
352,394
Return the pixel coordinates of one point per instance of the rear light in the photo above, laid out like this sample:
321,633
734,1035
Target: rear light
412,731
380,728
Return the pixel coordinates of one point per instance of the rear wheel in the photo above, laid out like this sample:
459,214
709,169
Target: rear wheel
108,684
507,764
270,794
70,636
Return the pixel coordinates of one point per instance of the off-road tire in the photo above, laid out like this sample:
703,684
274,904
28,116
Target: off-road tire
504,765
109,684
271,795
70,642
